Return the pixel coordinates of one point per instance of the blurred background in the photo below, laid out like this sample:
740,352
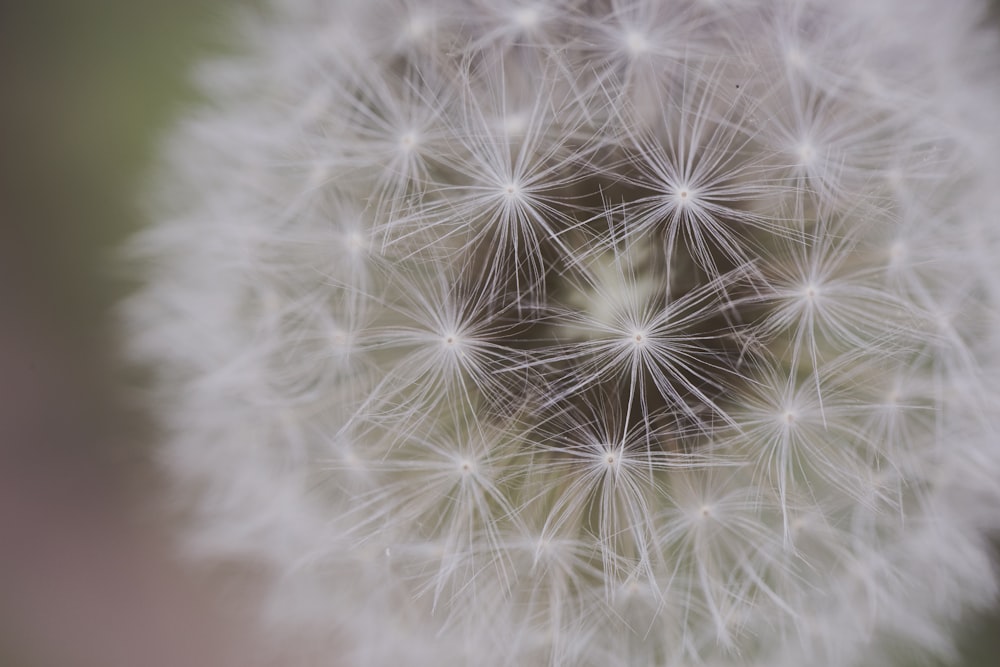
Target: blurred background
86,573
87,87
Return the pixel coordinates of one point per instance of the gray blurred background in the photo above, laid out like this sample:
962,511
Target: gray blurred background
86,574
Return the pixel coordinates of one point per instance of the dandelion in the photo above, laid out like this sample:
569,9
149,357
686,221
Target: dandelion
617,332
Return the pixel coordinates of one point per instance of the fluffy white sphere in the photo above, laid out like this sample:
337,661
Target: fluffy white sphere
589,332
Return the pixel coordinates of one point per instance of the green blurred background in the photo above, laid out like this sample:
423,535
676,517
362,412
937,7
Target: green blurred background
86,89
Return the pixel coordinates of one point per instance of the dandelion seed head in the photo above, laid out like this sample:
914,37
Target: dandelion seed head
631,332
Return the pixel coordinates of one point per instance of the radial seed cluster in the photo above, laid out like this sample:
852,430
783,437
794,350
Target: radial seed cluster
589,332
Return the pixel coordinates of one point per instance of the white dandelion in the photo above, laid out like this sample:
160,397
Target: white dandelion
588,332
